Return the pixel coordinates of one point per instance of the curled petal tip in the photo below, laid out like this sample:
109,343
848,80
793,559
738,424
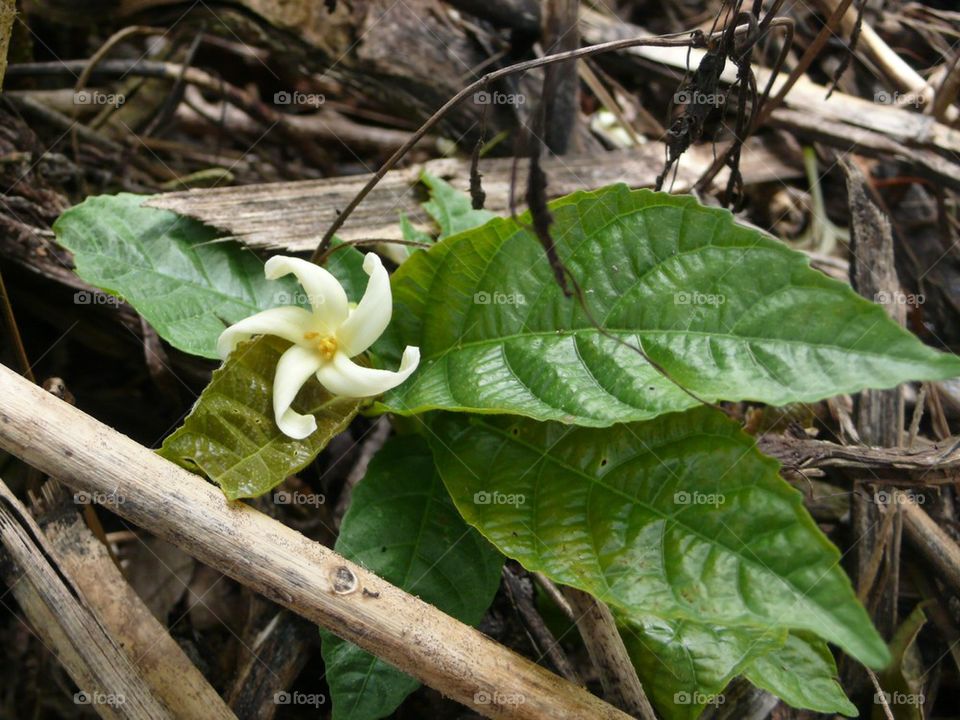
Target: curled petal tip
410,359
371,261
271,270
296,426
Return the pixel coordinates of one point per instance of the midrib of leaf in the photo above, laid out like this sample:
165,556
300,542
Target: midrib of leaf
594,482
500,339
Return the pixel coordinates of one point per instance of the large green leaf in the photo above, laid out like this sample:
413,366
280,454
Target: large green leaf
230,434
187,284
731,314
685,665
402,525
681,518
804,674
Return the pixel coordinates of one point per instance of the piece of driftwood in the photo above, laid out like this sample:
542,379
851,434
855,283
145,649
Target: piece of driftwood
291,216
160,660
58,613
280,563
598,628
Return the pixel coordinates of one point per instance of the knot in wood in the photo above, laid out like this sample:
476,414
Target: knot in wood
344,581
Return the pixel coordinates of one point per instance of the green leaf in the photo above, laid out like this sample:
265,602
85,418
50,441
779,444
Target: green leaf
681,519
685,665
230,434
730,312
902,681
803,674
412,234
172,269
452,209
402,525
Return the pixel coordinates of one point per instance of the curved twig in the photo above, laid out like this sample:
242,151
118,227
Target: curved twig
673,40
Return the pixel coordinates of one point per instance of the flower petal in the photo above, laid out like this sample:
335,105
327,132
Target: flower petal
342,376
290,323
370,318
327,298
295,367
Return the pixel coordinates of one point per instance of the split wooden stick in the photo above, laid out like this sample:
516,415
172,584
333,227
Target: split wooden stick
280,563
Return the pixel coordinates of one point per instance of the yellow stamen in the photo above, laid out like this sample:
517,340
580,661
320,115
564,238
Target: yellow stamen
327,347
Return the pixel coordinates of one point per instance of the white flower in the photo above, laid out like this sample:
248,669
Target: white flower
324,339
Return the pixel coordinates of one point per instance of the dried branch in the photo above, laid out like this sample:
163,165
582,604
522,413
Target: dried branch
60,616
280,563
621,686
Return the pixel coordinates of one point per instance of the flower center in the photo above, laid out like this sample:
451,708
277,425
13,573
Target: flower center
326,345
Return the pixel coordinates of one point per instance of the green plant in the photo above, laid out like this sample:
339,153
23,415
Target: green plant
539,427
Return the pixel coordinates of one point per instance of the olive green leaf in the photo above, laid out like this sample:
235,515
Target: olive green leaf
230,434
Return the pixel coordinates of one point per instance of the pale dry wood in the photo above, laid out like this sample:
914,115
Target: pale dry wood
890,63
597,627
280,563
291,216
160,660
57,611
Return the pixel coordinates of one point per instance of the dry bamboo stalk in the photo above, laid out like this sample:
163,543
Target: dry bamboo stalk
280,563
599,632
58,613
163,664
